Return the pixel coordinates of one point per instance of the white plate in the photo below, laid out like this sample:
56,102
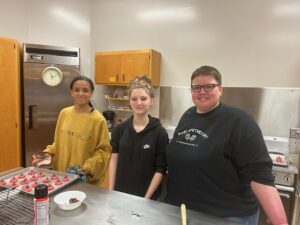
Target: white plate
63,199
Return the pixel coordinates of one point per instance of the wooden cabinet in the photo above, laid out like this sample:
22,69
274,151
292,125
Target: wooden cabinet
107,68
119,67
10,130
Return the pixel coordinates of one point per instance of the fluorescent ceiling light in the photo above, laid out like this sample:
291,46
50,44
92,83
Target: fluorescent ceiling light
71,19
180,14
287,9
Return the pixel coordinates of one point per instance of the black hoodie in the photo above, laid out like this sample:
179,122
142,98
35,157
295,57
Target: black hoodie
141,155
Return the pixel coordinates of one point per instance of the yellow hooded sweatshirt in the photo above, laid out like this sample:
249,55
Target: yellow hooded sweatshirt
81,139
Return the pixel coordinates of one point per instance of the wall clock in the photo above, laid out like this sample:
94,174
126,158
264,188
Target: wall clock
52,76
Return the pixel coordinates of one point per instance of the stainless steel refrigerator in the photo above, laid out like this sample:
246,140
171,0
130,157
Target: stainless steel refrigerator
46,77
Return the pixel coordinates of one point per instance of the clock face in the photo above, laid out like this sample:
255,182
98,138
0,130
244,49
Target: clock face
52,76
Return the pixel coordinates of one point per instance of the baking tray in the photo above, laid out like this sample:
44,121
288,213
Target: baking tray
25,179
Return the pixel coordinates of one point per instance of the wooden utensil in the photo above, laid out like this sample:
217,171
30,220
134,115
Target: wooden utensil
183,214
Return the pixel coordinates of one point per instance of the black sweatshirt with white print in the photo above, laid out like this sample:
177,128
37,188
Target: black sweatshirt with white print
212,159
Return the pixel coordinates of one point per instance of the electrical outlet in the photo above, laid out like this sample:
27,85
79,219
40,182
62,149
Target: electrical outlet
295,133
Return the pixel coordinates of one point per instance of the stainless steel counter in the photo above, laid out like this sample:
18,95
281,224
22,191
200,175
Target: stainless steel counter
104,207
115,208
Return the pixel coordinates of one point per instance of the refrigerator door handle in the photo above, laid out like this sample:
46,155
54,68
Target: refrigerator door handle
37,57
33,120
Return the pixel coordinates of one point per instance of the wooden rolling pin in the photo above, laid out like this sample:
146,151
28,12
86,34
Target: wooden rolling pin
183,214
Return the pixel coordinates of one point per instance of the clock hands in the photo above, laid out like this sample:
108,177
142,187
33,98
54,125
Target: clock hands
55,75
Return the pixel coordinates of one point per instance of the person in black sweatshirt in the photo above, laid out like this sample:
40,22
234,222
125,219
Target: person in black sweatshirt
138,161
218,162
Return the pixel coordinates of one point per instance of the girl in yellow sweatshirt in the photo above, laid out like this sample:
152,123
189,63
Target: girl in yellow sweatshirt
81,135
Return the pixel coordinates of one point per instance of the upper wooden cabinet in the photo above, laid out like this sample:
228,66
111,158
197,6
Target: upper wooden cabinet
119,67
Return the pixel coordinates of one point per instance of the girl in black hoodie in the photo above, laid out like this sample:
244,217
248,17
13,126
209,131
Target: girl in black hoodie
138,161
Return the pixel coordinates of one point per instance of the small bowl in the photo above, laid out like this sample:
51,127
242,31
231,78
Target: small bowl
64,199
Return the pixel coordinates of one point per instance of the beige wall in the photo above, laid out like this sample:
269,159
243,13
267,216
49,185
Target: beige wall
254,43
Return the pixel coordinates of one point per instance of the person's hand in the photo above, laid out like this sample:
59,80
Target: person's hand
84,169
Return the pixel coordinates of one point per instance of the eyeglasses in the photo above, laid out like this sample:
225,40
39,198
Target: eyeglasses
207,87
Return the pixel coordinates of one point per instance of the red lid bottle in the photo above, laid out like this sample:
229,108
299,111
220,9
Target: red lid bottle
41,205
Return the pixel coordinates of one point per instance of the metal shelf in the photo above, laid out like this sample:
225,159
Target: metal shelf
115,99
120,109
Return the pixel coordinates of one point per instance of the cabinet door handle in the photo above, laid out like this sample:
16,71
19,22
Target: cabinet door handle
123,77
117,78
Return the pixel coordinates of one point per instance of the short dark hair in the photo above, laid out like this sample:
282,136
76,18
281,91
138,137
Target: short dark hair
81,77
207,71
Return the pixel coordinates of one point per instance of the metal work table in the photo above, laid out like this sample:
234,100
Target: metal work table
104,207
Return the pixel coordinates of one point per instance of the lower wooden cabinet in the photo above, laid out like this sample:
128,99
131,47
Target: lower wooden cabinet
10,130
